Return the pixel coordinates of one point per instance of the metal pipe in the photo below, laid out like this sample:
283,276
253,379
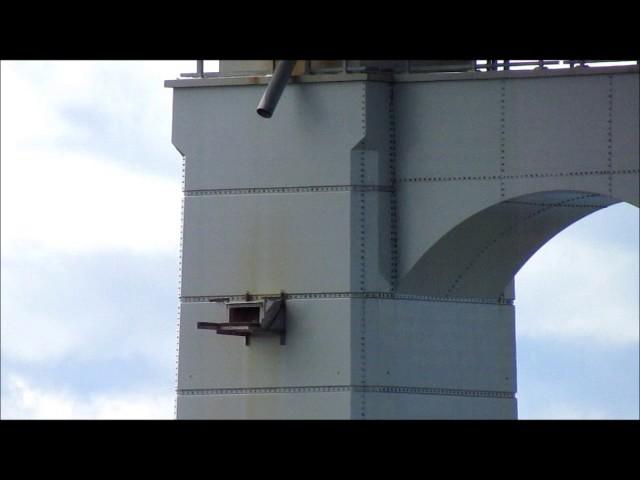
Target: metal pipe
271,95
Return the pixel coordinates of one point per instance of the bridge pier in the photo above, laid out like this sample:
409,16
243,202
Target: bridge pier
393,211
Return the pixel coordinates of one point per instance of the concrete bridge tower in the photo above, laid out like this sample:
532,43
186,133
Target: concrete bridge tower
353,256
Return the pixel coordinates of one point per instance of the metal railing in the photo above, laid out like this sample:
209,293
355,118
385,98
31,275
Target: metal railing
495,65
422,66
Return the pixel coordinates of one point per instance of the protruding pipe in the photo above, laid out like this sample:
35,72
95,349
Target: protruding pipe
272,94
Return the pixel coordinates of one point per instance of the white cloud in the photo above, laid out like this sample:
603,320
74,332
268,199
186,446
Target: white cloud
75,203
131,91
57,308
26,111
61,204
23,400
69,194
577,288
55,198
567,411
39,338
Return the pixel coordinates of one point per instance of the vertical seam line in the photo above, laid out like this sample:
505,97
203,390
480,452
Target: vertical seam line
393,200
363,284
502,138
179,314
610,136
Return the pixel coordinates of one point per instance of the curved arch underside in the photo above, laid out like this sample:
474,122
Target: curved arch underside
488,172
479,257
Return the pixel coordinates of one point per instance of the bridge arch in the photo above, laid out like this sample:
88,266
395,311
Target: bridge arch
479,257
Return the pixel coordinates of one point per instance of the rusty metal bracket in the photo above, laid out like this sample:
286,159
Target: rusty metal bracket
247,317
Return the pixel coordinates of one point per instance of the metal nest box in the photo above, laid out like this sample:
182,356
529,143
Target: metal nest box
265,316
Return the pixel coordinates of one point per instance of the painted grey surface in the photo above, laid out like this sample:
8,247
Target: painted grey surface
395,214
440,345
481,255
555,125
228,146
274,406
627,187
448,128
296,242
580,181
496,140
371,264
246,67
625,122
399,406
317,350
378,134
420,228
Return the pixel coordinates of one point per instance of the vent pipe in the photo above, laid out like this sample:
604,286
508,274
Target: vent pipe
269,100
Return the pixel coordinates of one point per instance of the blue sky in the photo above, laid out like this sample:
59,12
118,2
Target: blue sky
90,236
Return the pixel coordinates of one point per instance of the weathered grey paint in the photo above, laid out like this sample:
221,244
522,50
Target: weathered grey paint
394,212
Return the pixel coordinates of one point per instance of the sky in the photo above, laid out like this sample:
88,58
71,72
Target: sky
90,226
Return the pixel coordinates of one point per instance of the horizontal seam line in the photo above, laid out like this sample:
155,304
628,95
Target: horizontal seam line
515,177
372,295
298,189
348,388
534,204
